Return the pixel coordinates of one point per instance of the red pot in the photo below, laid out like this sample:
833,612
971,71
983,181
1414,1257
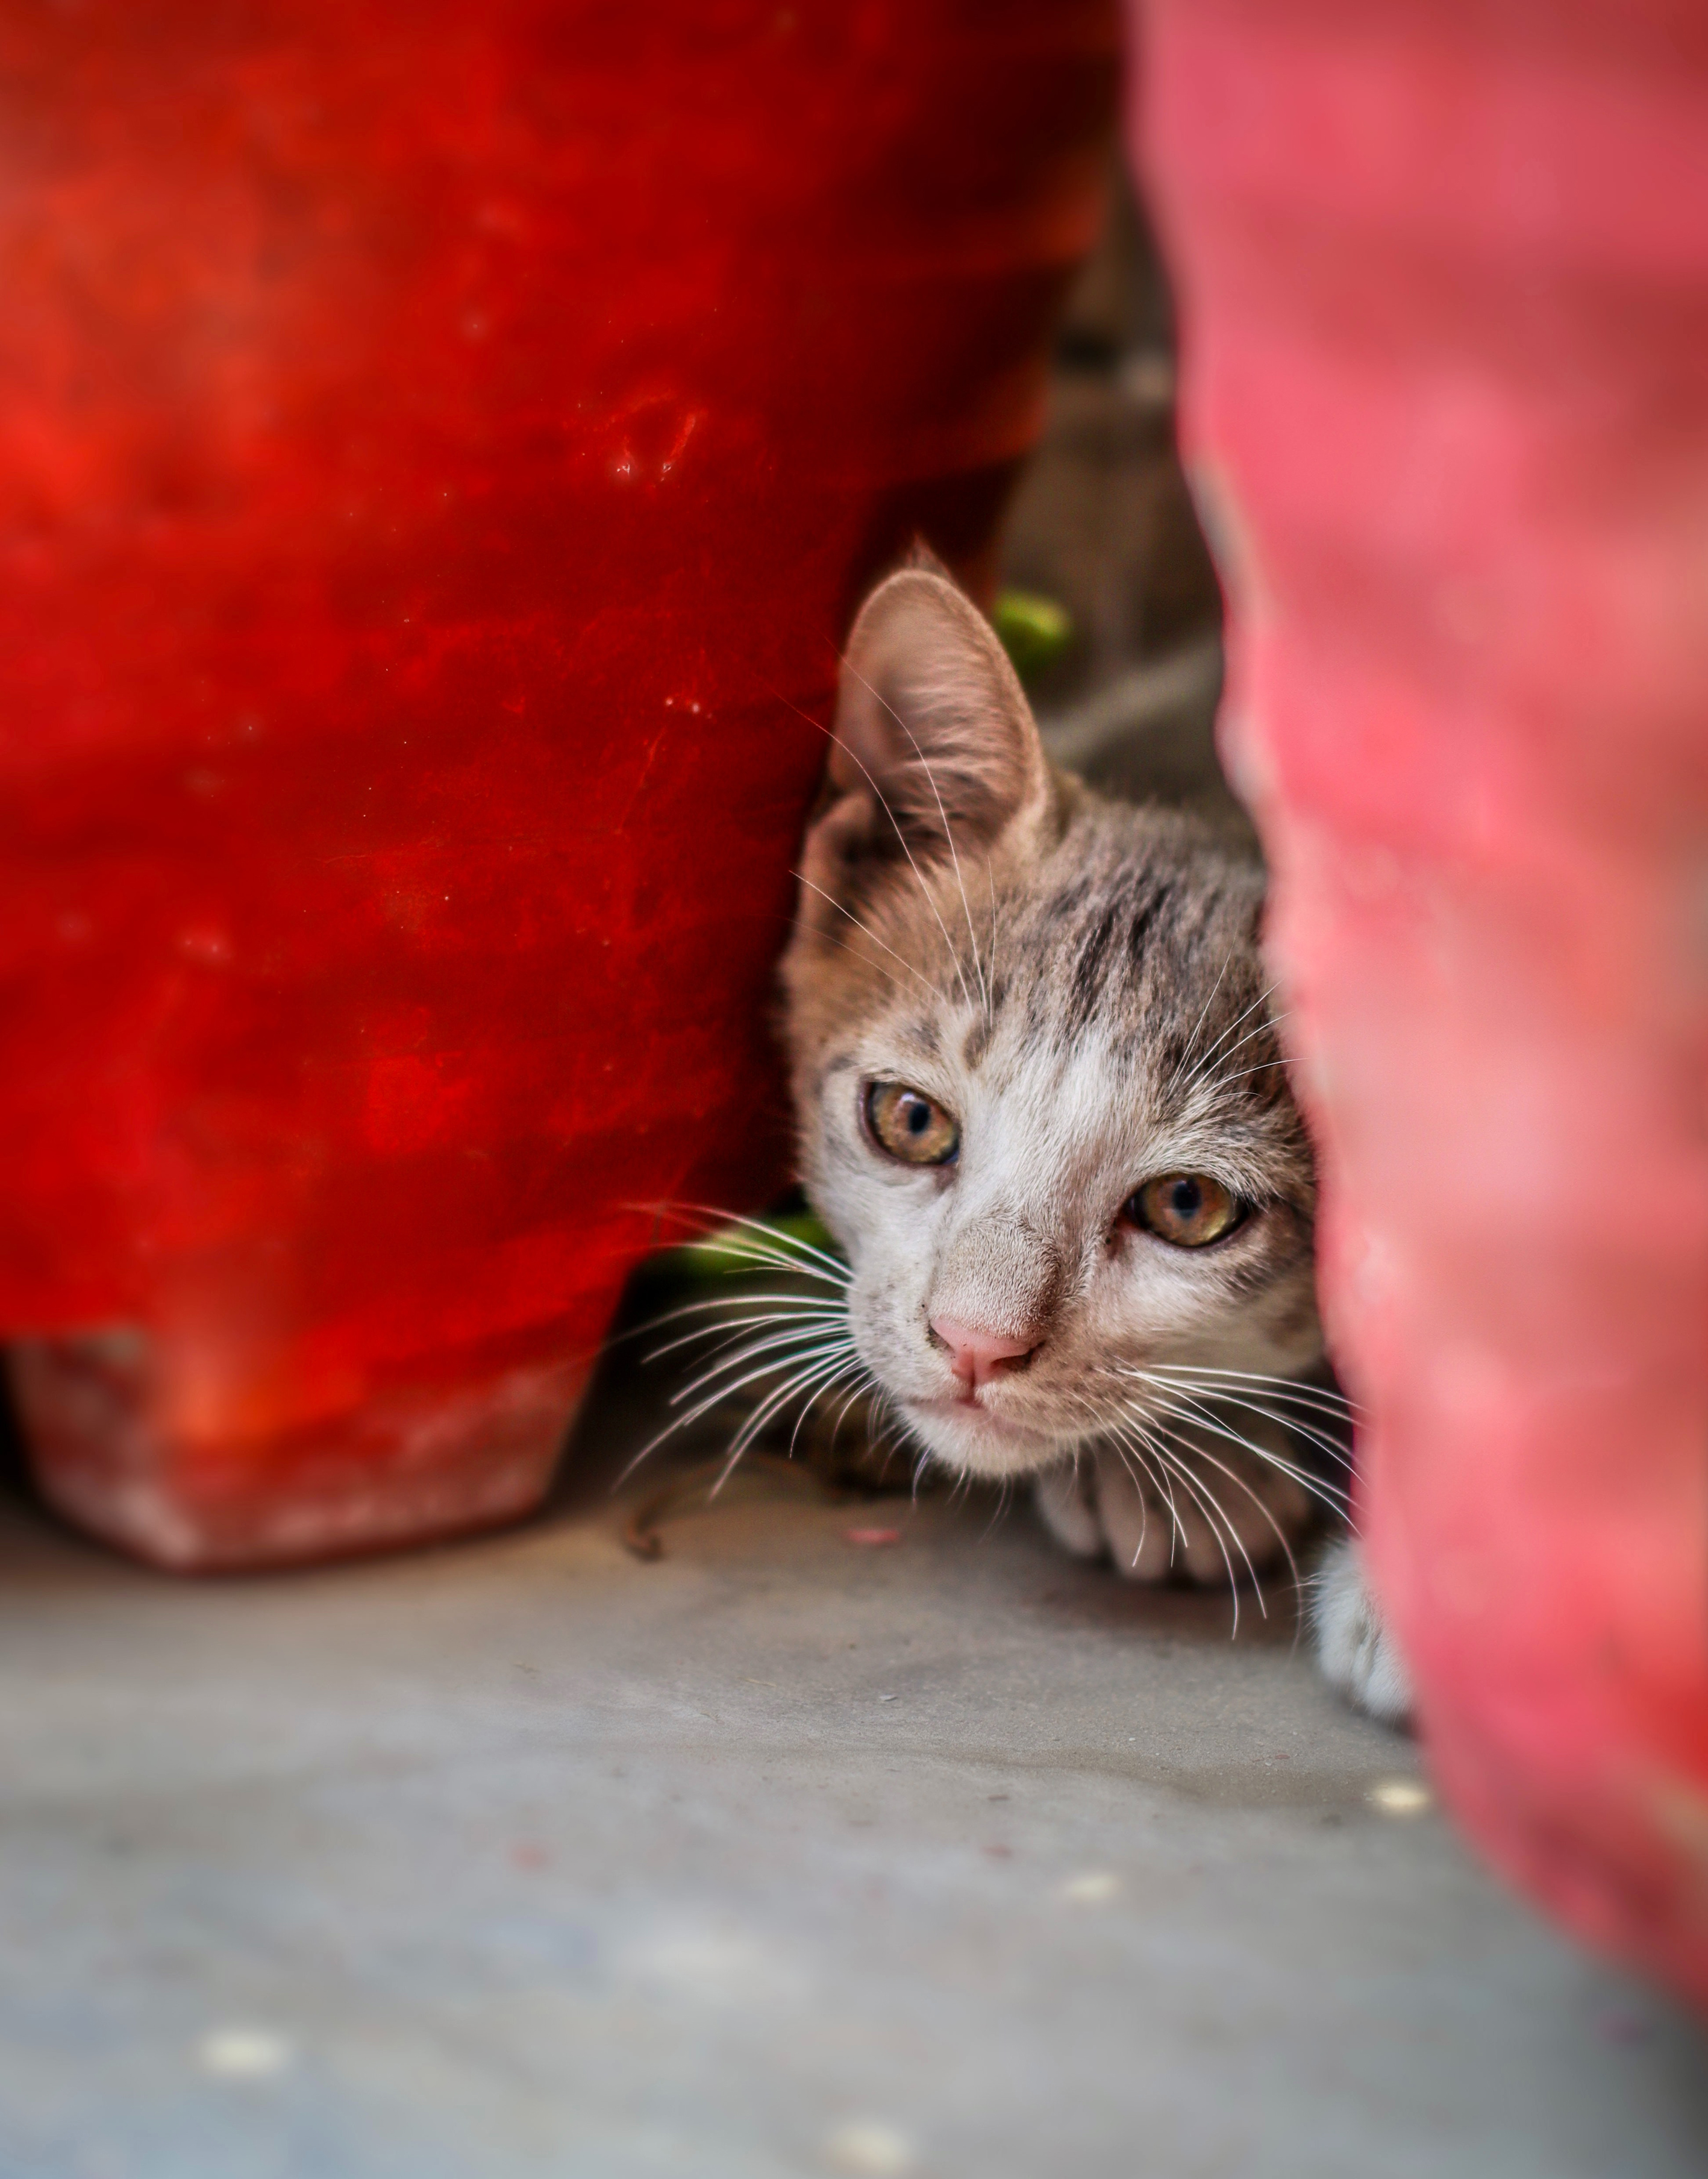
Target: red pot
441,446
1444,273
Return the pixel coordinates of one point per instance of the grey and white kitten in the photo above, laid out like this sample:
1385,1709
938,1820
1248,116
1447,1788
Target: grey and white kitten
1043,1109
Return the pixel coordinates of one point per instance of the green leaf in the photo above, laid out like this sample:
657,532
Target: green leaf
730,1250
1034,631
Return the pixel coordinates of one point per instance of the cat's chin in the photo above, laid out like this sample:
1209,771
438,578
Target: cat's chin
975,1442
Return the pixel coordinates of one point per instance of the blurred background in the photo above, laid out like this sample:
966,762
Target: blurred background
1102,523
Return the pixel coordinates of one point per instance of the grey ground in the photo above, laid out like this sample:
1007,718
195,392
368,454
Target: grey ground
784,1854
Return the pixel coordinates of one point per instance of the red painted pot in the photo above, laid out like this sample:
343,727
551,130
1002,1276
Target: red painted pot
1444,274
441,446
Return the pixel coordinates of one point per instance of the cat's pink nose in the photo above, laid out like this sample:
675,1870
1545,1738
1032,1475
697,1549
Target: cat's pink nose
975,1355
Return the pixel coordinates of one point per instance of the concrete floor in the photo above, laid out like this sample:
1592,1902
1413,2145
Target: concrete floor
785,1854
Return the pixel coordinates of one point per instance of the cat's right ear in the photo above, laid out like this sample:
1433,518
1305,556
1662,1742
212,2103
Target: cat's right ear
934,743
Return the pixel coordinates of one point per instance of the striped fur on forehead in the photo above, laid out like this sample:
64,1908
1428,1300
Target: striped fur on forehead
1133,916
1140,917
1136,931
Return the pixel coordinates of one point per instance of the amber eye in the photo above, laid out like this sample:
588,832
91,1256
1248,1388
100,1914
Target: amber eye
1188,1209
909,1125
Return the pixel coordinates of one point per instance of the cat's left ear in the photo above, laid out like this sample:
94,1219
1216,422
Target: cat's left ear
934,739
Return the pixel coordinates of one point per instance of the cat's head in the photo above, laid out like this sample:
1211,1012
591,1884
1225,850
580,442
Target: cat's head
1040,1102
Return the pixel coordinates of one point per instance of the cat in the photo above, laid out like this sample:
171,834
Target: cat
1043,1107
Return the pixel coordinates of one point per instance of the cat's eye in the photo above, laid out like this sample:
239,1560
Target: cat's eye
909,1125
1188,1209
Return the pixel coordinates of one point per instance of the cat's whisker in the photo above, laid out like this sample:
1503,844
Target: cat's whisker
744,1298
774,1342
705,1408
791,1322
987,970
1210,1509
930,898
1134,1439
813,1379
752,1259
1283,1420
719,1355
1265,1028
990,880
789,1304
948,829
1126,1458
778,1397
882,1421
722,1391
787,1350
1339,1404
1271,1403
854,1370
1109,1427
867,1384
720,1382
1245,1014
1005,1500
1207,1081
1327,1493
843,947
1203,1016
821,1313
1181,1455
1224,1530
1206,1400
1270,1023
785,1246
750,1430
1130,1442
821,1372
1148,1421
848,666
866,929
1239,1482
1144,1424
831,735
1226,1081
1181,1083
737,1253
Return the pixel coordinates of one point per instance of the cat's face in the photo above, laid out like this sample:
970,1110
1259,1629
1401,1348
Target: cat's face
1040,1102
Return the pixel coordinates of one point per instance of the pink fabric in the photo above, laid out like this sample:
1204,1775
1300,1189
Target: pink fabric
1443,278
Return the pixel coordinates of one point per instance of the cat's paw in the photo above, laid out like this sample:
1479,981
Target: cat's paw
1215,1512
1069,1509
1356,1652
